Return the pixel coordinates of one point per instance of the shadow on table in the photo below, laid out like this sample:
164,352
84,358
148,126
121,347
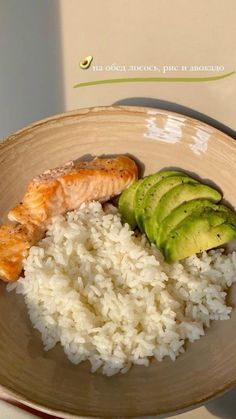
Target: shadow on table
223,407
174,107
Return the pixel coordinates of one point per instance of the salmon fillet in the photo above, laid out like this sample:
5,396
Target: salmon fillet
15,241
67,187
54,192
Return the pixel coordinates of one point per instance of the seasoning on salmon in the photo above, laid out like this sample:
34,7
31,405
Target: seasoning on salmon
54,192
15,241
66,188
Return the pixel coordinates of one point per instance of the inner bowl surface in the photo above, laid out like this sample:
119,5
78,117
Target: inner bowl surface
47,380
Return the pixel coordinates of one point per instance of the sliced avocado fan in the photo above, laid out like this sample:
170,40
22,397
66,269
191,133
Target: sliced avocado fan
129,200
152,199
180,213
177,196
142,190
126,204
201,231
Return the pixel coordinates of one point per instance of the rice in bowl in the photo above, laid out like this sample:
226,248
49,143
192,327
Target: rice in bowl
107,296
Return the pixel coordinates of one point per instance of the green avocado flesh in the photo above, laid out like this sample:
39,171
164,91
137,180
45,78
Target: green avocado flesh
126,204
200,231
142,190
153,197
180,194
180,213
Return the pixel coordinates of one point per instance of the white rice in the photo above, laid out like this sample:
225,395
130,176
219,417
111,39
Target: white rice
109,298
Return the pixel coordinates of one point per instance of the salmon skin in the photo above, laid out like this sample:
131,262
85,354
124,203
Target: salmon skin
55,192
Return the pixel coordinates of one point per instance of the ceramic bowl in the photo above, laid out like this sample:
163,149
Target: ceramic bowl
47,380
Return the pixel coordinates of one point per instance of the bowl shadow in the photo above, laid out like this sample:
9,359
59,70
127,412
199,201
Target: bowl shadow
175,107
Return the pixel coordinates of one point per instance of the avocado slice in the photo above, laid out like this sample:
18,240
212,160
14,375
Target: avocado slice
180,213
144,187
177,196
200,231
86,62
126,204
153,197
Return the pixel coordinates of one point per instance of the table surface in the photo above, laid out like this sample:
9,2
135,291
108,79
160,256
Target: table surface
8,411
223,407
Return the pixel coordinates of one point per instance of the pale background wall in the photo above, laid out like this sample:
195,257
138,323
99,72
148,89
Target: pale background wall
31,78
42,42
181,32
